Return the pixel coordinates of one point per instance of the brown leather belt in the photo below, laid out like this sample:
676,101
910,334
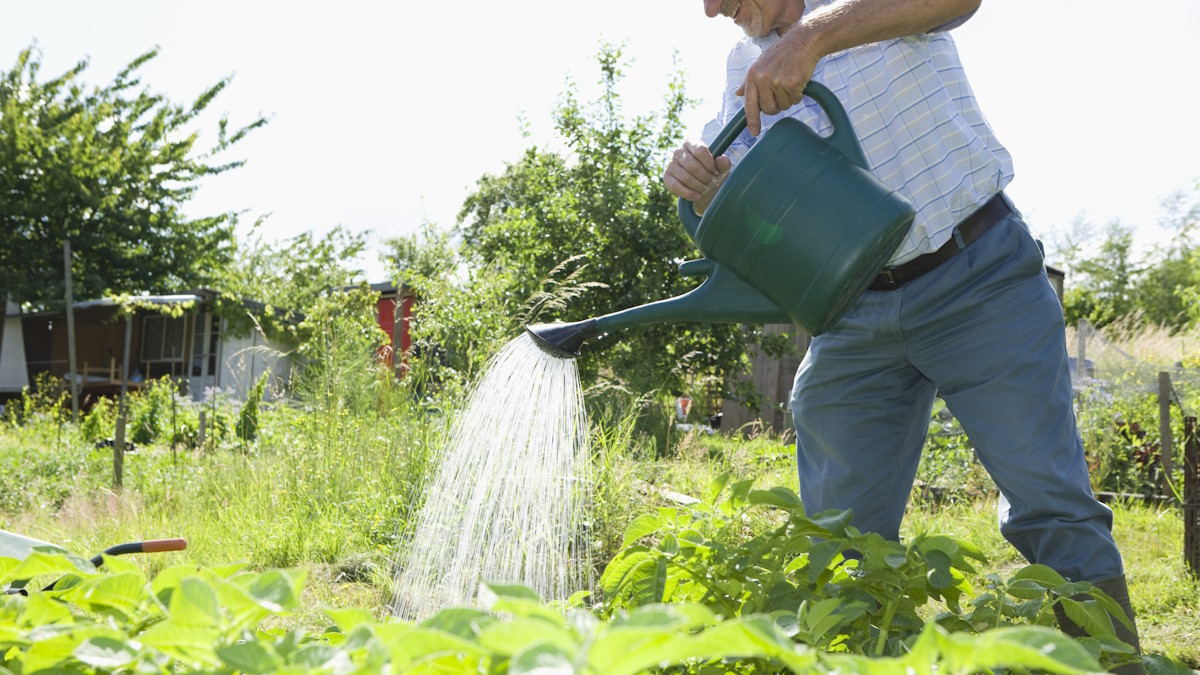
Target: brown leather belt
968,231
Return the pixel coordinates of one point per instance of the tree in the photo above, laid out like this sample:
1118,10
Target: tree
109,167
601,206
1155,288
289,276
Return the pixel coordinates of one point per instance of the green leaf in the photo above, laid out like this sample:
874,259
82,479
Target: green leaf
779,496
462,622
939,574
1031,647
717,486
834,522
348,619
1089,615
427,645
1157,664
192,644
629,565
740,491
277,590
315,656
513,591
542,659
41,610
194,603
508,638
669,546
1026,589
105,653
675,616
624,650
42,563
1041,575
123,592
642,526
820,556
250,657
516,600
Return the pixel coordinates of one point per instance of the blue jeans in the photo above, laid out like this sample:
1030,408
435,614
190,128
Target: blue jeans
985,331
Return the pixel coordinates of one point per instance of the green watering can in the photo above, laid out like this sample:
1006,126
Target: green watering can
795,234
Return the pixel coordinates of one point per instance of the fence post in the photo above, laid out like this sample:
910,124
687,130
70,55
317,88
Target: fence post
1081,335
1164,428
1191,496
203,419
119,452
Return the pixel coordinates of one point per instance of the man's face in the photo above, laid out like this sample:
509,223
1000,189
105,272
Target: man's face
757,18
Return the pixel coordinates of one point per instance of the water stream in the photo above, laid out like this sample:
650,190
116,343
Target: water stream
510,490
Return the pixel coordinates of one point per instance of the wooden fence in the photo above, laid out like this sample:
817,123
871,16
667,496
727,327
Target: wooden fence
1191,496
772,378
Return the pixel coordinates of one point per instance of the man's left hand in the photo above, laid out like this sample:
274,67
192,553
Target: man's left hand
776,81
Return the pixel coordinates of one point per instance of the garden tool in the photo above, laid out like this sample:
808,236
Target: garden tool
13,545
797,231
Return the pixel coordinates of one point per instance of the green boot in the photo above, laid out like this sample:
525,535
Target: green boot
1119,592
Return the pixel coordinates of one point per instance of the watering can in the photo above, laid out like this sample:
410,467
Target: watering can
796,233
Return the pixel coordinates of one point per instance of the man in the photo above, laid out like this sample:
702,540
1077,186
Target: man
963,309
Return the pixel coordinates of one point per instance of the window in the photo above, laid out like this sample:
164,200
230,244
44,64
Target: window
205,337
162,338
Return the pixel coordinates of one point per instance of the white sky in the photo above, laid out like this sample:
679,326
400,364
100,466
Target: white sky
385,114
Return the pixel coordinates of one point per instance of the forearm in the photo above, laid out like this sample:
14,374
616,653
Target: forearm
851,23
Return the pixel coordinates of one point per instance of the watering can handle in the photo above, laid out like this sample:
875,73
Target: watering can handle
843,139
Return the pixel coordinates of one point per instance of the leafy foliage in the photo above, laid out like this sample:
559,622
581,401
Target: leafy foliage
109,168
247,424
1109,283
601,206
339,355
209,619
828,586
289,277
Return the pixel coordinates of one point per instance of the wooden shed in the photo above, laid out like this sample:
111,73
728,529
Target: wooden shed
393,312
193,346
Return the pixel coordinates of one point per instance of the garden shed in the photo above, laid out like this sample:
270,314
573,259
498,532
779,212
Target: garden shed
191,344
393,312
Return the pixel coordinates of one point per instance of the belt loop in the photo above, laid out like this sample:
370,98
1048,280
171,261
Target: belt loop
958,239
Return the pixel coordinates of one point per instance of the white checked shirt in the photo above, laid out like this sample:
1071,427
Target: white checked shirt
917,120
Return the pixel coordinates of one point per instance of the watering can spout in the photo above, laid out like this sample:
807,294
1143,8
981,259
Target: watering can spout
562,339
722,298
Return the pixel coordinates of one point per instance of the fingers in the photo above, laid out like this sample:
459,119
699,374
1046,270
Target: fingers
693,172
750,102
764,98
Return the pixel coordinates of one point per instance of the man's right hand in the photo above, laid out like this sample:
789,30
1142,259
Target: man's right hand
694,174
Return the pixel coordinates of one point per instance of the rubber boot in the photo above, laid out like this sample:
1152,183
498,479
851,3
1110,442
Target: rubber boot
1119,592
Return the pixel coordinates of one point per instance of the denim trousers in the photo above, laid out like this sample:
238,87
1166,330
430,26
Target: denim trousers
984,330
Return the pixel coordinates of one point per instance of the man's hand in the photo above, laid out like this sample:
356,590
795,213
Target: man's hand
776,81
694,174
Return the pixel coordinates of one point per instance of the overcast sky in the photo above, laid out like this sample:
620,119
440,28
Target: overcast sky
385,114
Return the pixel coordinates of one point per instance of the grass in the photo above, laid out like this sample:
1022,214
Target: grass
330,491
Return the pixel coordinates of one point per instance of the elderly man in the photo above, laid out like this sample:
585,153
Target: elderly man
963,309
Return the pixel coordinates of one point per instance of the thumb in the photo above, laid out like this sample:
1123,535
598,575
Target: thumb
724,164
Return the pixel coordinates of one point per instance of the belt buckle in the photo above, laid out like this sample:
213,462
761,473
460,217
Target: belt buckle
891,278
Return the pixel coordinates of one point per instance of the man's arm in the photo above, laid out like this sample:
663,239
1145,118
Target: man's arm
776,81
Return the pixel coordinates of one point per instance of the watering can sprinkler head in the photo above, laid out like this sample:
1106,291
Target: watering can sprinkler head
562,339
